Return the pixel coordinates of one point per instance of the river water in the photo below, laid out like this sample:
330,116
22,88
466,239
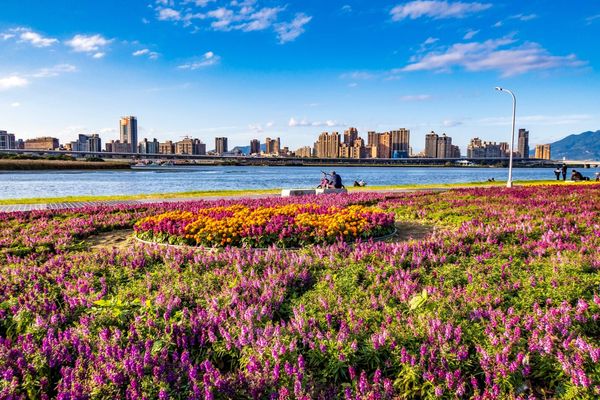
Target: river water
123,182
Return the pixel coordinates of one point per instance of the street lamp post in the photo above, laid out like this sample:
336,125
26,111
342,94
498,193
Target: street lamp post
509,182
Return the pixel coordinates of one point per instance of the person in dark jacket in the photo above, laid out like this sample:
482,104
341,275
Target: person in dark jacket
576,176
563,169
336,180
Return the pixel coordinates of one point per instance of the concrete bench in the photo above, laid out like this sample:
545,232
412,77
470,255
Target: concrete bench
332,191
297,192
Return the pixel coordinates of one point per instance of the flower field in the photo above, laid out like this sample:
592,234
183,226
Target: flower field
502,301
289,225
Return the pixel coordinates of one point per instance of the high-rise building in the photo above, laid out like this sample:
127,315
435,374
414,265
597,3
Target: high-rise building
149,147
350,135
523,143
42,143
328,145
166,148
190,146
431,145
272,146
221,145
444,146
129,133
254,146
454,151
543,151
94,143
440,146
7,141
88,143
400,143
480,149
384,145
304,152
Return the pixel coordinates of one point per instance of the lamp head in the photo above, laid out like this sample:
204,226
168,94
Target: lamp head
499,88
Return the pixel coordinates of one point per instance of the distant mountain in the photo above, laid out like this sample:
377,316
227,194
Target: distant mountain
584,146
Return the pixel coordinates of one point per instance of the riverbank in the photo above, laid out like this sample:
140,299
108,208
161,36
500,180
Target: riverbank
242,193
45,164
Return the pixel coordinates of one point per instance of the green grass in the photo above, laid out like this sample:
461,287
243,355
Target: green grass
241,193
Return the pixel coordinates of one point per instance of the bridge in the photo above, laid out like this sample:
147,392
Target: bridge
304,161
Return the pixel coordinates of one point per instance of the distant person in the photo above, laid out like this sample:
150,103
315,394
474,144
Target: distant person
576,176
360,183
597,176
557,172
336,181
563,169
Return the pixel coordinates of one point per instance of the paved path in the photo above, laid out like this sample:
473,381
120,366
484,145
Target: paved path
78,204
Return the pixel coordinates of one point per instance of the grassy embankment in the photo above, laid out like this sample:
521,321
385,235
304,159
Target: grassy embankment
241,193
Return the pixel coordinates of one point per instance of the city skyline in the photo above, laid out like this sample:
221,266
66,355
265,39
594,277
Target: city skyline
247,69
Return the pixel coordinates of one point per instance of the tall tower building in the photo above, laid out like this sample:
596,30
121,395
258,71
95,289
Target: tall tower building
444,146
254,146
129,133
431,145
350,135
400,143
221,145
328,145
523,143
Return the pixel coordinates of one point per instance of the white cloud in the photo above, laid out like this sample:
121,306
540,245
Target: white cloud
346,8
524,17
261,19
208,59
260,128
89,44
295,123
15,104
6,36
491,55
54,71
430,40
232,15
168,14
13,81
357,75
592,18
35,39
146,52
289,31
449,123
436,9
470,34
416,97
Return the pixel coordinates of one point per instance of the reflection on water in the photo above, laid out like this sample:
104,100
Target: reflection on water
75,183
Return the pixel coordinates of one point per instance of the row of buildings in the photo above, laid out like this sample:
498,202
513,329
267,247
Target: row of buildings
390,144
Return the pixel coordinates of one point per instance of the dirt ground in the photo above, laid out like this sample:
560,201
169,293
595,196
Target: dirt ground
122,239
119,239
406,231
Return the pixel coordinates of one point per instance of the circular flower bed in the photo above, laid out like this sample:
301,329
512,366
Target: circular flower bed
291,225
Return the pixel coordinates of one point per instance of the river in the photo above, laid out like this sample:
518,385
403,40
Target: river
28,184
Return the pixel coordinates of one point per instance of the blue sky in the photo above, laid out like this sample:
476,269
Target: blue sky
256,68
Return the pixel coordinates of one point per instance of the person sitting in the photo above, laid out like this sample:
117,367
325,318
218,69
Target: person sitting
576,176
336,181
360,183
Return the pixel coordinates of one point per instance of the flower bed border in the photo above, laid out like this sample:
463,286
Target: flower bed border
187,246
